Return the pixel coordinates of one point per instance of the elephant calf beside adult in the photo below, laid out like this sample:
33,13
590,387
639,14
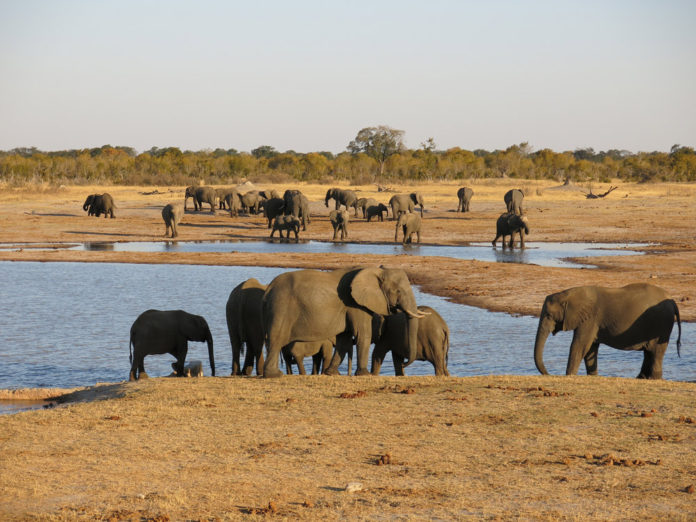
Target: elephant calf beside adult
166,331
638,316
287,223
320,352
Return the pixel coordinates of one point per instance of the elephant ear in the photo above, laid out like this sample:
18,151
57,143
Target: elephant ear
366,289
574,314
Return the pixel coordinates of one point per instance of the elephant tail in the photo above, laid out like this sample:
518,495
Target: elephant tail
130,350
676,313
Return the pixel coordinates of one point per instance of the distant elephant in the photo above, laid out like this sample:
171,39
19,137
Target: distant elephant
190,193
401,203
417,199
287,223
339,221
409,224
172,214
269,194
272,208
204,195
313,305
464,195
319,351
233,201
638,316
245,326
251,201
166,331
98,204
362,204
297,204
513,200
509,224
342,197
379,210
433,341
222,194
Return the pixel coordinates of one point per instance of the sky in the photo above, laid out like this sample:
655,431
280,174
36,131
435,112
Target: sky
308,75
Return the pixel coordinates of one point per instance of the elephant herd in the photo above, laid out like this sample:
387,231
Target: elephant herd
306,313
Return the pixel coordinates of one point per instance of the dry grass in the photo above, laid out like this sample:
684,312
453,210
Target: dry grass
510,447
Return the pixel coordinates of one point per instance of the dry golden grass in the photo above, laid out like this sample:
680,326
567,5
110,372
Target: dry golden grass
422,448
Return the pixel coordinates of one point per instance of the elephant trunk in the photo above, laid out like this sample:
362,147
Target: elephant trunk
211,355
543,332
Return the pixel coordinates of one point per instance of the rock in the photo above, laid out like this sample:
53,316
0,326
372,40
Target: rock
353,487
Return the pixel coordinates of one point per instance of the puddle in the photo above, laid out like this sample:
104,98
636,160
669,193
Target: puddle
544,254
14,406
67,324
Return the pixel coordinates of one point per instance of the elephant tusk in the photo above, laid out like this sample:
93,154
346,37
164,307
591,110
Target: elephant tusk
417,315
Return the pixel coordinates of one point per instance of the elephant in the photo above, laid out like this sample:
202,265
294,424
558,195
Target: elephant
342,197
339,221
363,203
203,195
417,199
287,223
269,194
233,201
464,195
245,326
251,201
390,335
272,208
98,204
166,331
172,214
377,210
507,225
312,305
320,351
513,200
297,204
190,192
638,316
400,203
222,194
410,224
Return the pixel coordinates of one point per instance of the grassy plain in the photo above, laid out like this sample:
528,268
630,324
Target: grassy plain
484,447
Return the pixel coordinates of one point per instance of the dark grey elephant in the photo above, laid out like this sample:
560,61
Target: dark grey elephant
222,194
190,192
379,210
638,316
233,201
98,204
251,201
417,199
401,203
464,196
319,351
339,221
245,326
509,224
297,204
287,224
362,204
203,195
311,305
172,214
513,200
166,331
390,335
345,197
409,224
272,208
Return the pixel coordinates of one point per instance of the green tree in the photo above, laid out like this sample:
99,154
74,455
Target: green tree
378,143
264,151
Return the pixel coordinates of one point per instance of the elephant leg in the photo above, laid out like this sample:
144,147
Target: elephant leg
363,339
249,358
398,364
521,239
141,369
418,236
135,366
180,354
591,359
496,239
378,354
300,365
652,360
344,342
583,338
270,368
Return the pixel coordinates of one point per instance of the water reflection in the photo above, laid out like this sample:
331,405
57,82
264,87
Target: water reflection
67,324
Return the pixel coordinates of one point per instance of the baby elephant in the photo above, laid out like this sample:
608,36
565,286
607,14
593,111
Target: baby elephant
287,223
320,351
172,214
378,210
390,333
508,224
410,223
339,221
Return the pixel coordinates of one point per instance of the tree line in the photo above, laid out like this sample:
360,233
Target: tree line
377,155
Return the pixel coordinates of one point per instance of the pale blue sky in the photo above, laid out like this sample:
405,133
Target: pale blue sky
307,75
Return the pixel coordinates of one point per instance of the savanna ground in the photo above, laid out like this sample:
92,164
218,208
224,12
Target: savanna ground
485,447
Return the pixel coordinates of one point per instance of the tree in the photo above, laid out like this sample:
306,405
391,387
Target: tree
264,151
378,143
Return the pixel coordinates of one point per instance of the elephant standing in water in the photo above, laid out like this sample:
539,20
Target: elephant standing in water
245,326
513,201
638,316
417,199
311,305
410,224
509,224
401,203
390,335
464,195
287,223
166,331
98,204
172,214
345,197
